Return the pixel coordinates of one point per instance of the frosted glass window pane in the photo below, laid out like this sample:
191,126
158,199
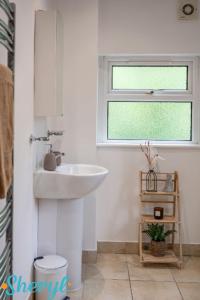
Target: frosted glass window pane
162,121
150,77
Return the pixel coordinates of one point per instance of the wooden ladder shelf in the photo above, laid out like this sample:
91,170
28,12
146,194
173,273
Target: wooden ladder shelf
170,201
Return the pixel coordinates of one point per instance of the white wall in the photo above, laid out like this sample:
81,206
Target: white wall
144,27
24,230
25,206
118,201
80,88
139,26
129,27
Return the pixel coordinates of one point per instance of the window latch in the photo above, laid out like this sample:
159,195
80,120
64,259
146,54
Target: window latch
150,92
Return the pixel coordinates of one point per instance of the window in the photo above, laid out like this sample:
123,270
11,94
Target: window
150,78
158,120
147,99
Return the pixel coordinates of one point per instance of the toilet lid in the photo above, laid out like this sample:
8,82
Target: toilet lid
51,262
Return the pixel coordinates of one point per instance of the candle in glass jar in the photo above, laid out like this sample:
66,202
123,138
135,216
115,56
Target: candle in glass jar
158,213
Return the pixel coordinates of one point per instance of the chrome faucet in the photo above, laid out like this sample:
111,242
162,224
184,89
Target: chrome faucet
38,139
45,138
57,133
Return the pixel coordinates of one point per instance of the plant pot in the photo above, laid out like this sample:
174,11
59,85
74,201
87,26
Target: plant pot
158,248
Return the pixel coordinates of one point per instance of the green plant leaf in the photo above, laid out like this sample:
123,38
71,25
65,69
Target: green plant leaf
157,232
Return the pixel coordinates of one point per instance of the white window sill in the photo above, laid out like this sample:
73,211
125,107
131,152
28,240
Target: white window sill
137,145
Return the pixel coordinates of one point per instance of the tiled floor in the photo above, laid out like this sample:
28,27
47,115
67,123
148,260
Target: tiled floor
122,277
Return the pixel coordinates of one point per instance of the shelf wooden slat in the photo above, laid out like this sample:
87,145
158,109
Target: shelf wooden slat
159,193
158,201
150,219
160,173
169,257
161,180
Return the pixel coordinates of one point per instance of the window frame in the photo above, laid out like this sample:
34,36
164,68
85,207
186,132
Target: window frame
106,93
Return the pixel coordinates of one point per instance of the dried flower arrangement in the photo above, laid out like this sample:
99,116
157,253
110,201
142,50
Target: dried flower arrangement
151,155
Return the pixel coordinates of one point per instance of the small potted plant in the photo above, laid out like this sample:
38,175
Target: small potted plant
158,236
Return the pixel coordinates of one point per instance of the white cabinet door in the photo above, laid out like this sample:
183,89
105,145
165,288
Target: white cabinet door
48,64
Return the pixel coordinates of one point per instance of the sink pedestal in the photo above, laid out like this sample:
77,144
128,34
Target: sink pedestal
70,237
61,232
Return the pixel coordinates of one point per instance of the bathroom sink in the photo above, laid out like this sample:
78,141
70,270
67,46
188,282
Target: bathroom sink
68,181
63,216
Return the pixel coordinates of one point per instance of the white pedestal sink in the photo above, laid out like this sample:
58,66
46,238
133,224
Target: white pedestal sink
67,186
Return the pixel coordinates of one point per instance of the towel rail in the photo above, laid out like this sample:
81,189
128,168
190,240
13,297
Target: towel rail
7,40
5,210
3,295
6,10
8,5
6,37
5,27
5,264
5,222
5,215
6,45
4,273
5,227
5,252
4,218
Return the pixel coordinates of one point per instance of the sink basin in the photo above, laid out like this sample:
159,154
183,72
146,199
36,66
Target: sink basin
61,220
68,181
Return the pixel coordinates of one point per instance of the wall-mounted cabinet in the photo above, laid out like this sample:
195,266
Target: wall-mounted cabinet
48,64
